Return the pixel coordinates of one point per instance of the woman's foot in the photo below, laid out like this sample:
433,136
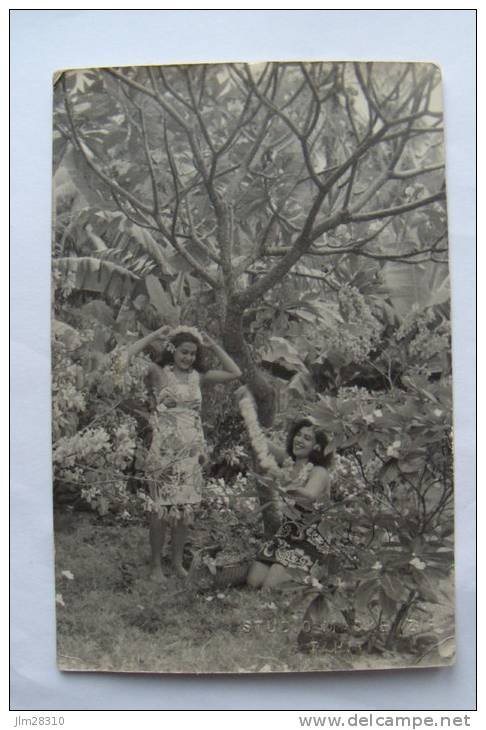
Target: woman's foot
180,570
156,574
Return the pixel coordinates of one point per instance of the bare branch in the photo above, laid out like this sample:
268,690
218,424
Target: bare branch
405,174
397,210
332,250
197,111
349,187
193,234
172,91
404,258
201,270
122,205
175,177
349,112
300,247
373,112
313,114
301,137
155,192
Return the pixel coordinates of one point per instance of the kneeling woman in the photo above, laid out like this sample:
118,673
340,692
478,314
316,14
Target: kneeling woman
298,544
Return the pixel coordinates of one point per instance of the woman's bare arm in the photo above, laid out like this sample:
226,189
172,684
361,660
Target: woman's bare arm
141,344
231,370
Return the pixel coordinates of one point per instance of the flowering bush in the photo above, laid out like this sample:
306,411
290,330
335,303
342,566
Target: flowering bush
96,434
391,519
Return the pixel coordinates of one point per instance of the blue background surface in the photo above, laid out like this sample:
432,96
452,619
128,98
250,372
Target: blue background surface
45,40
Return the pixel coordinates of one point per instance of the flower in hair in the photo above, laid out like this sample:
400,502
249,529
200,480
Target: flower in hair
182,329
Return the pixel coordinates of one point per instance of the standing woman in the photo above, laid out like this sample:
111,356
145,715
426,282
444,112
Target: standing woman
177,452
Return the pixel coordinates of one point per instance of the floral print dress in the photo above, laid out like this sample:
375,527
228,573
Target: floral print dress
173,467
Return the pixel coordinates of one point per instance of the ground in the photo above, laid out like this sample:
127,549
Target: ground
110,617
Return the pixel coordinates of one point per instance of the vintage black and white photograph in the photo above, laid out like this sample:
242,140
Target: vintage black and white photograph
251,368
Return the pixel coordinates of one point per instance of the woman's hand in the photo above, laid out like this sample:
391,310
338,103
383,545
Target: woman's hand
162,331
231,370
207,340
141,344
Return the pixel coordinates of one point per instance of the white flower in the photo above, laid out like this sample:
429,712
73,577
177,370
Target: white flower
182,329
67,574
393,450
377,566
59,600
257,437
417,563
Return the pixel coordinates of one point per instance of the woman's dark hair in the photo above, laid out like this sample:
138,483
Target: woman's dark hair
317,456
166,357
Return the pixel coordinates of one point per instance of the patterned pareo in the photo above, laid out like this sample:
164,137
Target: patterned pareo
300,542
178,449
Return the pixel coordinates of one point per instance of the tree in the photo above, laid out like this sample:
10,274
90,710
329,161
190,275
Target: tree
236,175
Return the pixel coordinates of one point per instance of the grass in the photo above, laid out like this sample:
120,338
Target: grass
110,617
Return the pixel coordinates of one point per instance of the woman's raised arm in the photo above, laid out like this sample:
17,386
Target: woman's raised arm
231,370
141,344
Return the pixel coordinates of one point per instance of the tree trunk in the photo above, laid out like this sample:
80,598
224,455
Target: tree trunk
235,345
265,399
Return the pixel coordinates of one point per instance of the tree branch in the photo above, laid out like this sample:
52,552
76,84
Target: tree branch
196,238
405,174
196,110
289,259
155,192
175,178
385,176
301,137
174,93
201,270
332,250
84,149
397,210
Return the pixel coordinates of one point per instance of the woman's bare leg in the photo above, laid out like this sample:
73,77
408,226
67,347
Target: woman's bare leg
157,532
257,574
276,576
179,536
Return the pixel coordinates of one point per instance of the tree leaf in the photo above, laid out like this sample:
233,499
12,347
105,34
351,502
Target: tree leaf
161,300
279,350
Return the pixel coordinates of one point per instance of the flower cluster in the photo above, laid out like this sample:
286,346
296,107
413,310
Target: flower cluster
91,446
352,339
125,444
257,437
121,375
